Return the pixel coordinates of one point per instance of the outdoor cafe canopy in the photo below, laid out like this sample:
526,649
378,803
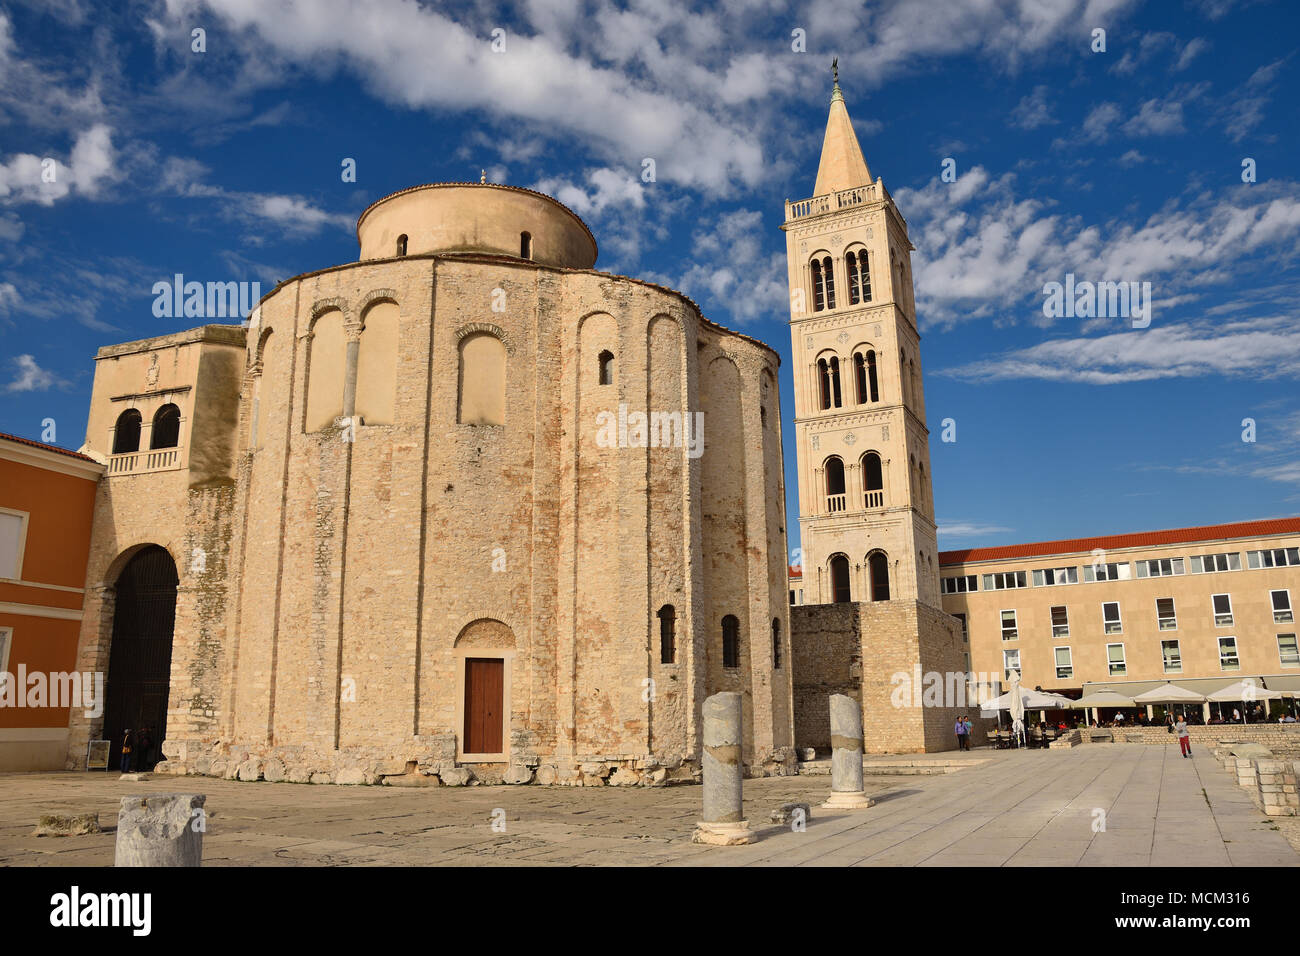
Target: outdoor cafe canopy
1245,691
1033,700
1168,693
1102,698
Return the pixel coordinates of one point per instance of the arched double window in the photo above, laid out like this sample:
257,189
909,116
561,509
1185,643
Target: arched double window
828,377
667,634
878,569
835,496
840,591
823,283
482,380
166,431
776,643
606,367
730,641
126,435
865,379
859,276
873,479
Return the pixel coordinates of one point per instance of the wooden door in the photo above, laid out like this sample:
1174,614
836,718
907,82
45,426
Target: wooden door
484,705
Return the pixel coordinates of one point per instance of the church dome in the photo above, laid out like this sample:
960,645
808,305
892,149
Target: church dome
484,218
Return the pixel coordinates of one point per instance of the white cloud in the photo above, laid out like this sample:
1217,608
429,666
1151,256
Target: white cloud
25,177
1033,110
30,377
731,271
958,528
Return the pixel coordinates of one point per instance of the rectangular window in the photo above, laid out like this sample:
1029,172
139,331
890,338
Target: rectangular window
1121,571
1281,606
1160,567
1222,610
1273,558
6,638
1173,657
1228,659
1064,663
965,636
1110,617
1046,577
1010,661
1060,621
1209,563
1165,615
792,599
13,540
1287,651
960,585
1009,630
1115,659
1004,580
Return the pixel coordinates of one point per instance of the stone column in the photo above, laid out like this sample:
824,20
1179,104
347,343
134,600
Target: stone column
350,377
724,823
163,829
847,792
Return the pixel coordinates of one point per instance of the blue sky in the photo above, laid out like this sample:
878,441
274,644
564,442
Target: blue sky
1123,165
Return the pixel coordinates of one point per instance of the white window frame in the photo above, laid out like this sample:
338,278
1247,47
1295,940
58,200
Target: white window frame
1214,611
1069,574
965,631
6,643
1236,652
1197,562
25,518
1068,666
1176,567
1015,625
1051,614
1290,558
1160,622
991,579
1164,661
1122,663
969,583
1007,667
1289,612
1281,660
1119,619
1110,571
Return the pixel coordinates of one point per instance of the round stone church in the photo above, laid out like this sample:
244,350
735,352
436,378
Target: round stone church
465,504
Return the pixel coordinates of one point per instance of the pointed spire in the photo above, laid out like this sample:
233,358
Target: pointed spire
842,165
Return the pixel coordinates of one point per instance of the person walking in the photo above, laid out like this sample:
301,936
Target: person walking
959,729
128,745
966,720
1184,738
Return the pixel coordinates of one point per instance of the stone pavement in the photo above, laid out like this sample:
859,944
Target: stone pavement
1013,808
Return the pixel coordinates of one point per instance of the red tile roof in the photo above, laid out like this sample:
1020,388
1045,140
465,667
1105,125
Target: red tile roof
42,445
1139,539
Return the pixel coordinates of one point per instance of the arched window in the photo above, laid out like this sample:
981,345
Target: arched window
776,643
606,368
667,634
873,383
902,376
828,276
376,396
730,641
166,431
835,497
824,382
840,593
835,380
855,289
819,288
864,276
401,245
874,479
920,484
482,380
878,568
860,378
126,436
525,245
911,478
911,374
326,370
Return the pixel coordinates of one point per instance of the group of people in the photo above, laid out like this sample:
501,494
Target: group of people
137,750
962,729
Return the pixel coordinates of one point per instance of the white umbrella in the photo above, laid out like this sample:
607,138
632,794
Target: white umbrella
1168,693
1017,708
1031,699
1243,690
1102,698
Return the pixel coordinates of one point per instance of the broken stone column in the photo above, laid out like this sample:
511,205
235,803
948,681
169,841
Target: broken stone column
847,792
724,823
162,829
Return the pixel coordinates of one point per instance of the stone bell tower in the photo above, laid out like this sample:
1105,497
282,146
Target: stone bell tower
866,512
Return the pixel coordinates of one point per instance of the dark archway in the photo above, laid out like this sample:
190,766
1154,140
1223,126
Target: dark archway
840,590
140,657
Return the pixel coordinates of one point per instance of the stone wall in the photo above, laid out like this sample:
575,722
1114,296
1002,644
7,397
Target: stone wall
827,659
1279,738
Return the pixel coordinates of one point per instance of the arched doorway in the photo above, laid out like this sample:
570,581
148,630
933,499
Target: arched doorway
140,657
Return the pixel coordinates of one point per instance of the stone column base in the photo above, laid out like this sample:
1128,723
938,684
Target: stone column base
723,834
848,800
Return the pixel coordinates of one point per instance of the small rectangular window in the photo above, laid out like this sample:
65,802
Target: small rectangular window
1173,657
1010,661
1210,563
1047,577
1228,659
960,585
1005,580
1110,617
1120,571
13,536
1009,629
1060,621
1165,615
1222,610
1287,651
965,636
1118,667
1160,567
1064,663
1281,606
6,638
1273,558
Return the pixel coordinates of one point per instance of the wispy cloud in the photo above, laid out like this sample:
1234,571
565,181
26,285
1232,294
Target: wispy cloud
30,377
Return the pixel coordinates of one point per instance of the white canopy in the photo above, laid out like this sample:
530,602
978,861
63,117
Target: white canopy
1032,700
1103,698
1244,691
1168,693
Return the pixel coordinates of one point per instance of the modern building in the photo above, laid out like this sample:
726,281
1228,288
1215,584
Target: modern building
1200,607
466,501
47,498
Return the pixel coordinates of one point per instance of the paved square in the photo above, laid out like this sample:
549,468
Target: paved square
1025,808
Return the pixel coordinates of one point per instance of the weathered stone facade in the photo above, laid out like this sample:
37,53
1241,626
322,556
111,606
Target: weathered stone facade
409,463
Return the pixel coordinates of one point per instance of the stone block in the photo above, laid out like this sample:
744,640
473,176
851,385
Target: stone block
61,825
160,830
